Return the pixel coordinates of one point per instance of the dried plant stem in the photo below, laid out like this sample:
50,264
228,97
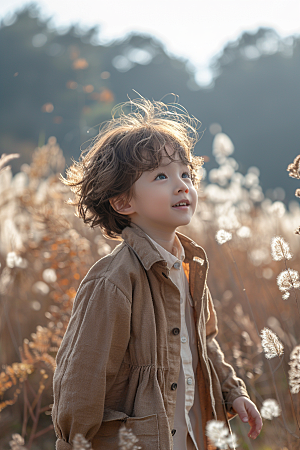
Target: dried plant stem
28,404
35,422
10,328
25,418
284,327
31,388
278,365
6,158
46,408
254,321
243,287
278,399
293,409
279,437
246,438
44,431
34,416
294,290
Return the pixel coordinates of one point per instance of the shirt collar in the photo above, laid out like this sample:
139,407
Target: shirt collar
148,253
177,251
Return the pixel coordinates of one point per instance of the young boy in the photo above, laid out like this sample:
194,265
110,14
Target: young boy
140,347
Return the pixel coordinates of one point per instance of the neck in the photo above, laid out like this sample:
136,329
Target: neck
162,237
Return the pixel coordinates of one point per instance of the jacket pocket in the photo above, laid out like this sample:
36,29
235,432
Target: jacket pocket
144,428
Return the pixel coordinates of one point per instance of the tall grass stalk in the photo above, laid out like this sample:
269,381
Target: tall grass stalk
230,253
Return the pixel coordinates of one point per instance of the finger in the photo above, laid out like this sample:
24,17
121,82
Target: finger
255,430
243,413
255,421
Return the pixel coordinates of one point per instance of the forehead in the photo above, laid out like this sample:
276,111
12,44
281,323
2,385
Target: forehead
162,158
169,155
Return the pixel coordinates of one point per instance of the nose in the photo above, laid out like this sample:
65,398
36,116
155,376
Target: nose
183,187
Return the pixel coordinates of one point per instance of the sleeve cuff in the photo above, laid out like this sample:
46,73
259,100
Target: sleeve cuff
235,393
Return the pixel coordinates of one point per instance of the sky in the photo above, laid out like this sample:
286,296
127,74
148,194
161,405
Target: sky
193,29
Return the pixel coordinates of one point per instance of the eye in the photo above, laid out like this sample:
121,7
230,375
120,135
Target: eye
160,175
184,173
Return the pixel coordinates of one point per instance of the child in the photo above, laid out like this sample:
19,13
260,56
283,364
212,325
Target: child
140,347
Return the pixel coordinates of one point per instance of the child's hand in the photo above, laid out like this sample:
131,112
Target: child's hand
248,412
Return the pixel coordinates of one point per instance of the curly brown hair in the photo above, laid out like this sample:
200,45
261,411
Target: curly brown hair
126,146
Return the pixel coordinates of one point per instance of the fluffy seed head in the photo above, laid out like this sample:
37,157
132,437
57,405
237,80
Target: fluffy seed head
232,441
270,343
49,275
286,295
244,232
17,442
222,145
293,168
13,260
294,372
280,249
297,231
270,409
80,443
218,433
223,236
277,209
127,439
288,279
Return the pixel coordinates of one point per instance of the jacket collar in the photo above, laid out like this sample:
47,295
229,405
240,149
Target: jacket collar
148,253
176,255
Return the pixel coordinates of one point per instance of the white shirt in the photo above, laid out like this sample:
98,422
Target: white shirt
187,419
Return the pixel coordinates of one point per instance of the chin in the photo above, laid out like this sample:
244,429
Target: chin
184,223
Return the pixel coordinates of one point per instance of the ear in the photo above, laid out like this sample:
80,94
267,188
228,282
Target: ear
120,206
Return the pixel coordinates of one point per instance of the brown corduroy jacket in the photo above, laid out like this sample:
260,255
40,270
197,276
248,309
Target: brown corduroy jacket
120,354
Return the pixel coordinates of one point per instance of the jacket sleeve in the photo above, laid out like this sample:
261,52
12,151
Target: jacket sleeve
232,386
89,359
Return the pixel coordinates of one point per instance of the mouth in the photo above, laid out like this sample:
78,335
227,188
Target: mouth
182,204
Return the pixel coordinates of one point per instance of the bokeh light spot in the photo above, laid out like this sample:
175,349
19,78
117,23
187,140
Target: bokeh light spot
48,108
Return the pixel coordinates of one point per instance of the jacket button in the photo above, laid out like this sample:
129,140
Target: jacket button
173,432
174,386
176,331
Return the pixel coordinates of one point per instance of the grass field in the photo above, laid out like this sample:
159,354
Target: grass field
45,251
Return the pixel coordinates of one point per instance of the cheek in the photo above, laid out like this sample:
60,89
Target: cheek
194,197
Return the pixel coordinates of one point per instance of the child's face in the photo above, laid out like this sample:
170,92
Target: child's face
155,193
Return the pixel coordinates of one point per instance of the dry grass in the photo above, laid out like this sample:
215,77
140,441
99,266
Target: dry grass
45,251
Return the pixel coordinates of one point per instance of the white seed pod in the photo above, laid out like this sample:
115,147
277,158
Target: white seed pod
271,344
223,236
288,279
270,409
280,249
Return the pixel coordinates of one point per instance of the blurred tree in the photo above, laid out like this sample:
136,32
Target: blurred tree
66,85
47,83
256,100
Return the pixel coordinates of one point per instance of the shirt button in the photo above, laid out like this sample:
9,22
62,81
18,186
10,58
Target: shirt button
174,386
189,381
176,331
183,339
173,432
177,265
